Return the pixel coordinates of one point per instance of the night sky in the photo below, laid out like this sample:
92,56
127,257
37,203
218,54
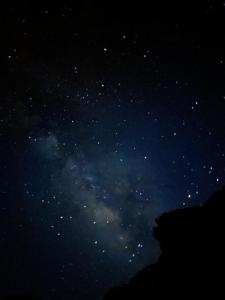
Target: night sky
109,116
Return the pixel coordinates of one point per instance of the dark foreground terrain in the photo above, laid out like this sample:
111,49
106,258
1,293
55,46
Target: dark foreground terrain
191,264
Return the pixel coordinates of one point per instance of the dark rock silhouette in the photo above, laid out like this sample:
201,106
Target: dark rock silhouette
191,263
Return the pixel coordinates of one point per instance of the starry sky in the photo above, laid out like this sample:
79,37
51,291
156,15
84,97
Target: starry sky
109,116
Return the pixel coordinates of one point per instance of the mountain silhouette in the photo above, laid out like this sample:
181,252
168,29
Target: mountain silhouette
191,263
